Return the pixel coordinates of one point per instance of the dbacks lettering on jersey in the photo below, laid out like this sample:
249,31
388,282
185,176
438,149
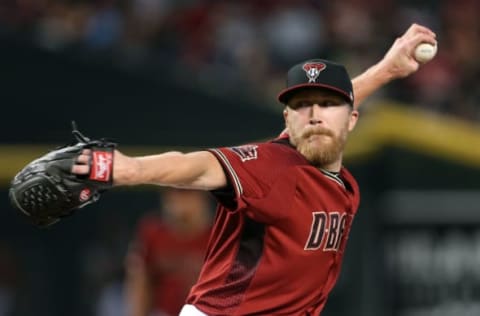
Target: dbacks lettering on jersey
245,152
327,229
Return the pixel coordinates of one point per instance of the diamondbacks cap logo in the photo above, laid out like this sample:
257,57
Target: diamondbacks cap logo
313,70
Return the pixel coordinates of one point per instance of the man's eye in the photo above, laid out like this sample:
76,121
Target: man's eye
332,102
303,104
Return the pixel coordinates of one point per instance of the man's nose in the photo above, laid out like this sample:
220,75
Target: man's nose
316,114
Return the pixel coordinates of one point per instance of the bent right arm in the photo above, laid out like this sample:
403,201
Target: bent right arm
398,62
198,170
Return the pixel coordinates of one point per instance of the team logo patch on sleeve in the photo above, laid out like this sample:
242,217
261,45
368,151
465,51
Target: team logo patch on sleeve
246,152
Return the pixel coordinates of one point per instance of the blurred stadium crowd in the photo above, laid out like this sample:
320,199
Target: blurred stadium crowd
244,47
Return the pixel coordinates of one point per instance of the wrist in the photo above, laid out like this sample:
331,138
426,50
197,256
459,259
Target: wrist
382,73
125,170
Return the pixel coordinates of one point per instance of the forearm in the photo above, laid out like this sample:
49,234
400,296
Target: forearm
196,170
152,169
368,82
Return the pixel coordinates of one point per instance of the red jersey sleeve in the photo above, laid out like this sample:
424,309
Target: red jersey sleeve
252,171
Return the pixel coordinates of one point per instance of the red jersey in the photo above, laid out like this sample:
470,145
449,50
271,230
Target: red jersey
173,262
278,242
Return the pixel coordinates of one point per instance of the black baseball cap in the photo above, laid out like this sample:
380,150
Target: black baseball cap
318,73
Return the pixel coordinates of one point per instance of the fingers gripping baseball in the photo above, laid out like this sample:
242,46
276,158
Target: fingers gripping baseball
416,28
399,59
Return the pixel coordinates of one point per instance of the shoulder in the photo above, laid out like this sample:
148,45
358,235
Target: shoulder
253,168
268,157
280,149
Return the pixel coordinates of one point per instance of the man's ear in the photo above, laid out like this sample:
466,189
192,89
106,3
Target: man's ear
353,120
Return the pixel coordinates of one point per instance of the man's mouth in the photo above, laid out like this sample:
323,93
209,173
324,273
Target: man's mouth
316,134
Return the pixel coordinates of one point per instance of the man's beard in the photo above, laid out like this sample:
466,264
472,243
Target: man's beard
319,152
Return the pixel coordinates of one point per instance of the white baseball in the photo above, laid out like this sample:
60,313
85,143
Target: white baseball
425,52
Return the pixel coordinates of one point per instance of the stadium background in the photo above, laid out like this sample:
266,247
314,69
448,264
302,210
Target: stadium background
163,74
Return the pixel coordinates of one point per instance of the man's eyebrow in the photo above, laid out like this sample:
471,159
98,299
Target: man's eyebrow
319,99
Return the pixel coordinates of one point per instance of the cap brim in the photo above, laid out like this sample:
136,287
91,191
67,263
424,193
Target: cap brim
285,94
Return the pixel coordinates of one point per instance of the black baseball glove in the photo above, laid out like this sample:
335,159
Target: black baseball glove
46,190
